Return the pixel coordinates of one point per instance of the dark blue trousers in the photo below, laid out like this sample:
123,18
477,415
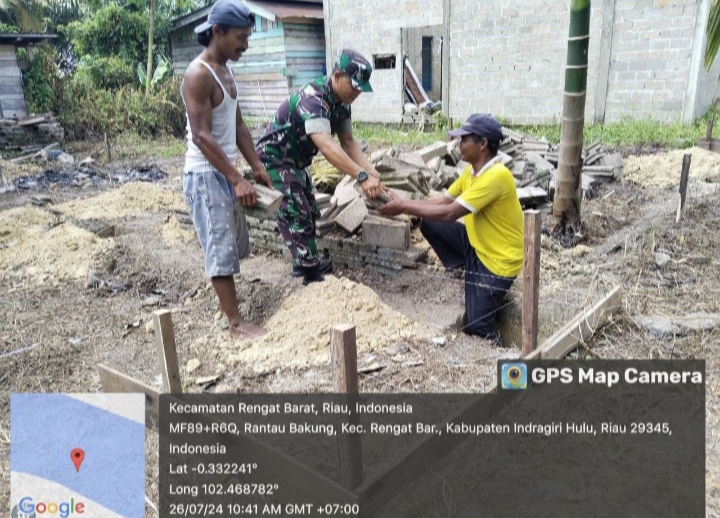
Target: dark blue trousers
484,291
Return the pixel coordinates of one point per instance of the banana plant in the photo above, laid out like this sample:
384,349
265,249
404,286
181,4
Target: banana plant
162,73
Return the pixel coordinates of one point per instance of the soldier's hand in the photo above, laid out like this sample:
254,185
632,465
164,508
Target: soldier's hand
262,177
371,187
245,192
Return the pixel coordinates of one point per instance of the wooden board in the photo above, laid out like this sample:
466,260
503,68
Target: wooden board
579,328
413,84
113,381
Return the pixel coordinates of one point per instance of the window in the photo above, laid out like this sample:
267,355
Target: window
384,61
427,44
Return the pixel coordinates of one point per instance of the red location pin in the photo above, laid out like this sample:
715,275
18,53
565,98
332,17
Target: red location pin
77,456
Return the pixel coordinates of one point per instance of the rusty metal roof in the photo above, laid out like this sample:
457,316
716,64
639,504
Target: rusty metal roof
283,10
311,9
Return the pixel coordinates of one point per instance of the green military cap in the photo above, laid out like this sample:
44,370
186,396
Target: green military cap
357,68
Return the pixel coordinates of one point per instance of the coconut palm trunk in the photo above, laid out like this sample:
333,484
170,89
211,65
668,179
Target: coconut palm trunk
566,204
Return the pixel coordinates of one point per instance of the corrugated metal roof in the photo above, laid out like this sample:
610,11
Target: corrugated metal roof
288,9
292,10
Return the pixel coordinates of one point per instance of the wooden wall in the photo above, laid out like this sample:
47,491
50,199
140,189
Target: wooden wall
305,49
12,99
282,56
259,74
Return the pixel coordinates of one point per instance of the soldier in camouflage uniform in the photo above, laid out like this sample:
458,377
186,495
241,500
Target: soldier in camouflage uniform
303,125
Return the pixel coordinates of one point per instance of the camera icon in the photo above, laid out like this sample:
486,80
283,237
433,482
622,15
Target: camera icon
513,376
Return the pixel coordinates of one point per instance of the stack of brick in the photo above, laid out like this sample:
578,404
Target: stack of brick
26,136
354,233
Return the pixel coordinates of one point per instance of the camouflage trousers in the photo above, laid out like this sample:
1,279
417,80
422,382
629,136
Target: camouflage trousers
298,212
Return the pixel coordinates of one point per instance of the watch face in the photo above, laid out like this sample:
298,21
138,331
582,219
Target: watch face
362,176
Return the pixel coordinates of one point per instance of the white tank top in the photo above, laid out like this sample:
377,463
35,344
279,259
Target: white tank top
223,129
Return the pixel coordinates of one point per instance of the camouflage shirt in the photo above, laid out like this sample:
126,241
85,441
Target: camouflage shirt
312,107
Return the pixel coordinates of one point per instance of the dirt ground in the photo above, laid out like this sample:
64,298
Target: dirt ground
80,277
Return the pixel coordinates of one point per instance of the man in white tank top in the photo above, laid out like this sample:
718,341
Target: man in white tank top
212,186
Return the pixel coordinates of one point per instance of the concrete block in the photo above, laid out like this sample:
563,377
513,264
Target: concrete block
345,194
403,195
377,155
268,200
540,163
530,196
453,152
322,200
412,158
389,164
435,164
436,150
352,216
386,233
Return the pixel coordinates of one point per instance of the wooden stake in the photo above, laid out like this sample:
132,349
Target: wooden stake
684,176
343,353
107,148
531,281
168,354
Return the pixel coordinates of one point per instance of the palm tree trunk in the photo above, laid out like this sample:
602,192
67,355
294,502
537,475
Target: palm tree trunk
148,80
566,204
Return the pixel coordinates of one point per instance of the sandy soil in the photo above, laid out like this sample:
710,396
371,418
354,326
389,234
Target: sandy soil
117,255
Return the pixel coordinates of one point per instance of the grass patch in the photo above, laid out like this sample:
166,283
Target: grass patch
131,145
627,133
395,134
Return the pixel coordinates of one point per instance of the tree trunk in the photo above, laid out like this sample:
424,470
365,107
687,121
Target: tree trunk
148,78
566,204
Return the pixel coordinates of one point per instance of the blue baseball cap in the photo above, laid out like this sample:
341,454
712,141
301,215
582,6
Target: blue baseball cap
232,13
482,125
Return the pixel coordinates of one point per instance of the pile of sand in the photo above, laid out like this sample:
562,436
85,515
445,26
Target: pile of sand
663,169
173,232
299,333
132,199
34,245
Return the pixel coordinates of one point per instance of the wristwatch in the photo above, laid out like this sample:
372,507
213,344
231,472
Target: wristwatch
362,176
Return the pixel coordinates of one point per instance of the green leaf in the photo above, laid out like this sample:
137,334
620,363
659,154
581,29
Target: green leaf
142,75
713,34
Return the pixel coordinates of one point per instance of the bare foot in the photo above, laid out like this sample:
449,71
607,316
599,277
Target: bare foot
244,330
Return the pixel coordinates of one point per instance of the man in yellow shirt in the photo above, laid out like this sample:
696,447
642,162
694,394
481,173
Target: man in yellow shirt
490,243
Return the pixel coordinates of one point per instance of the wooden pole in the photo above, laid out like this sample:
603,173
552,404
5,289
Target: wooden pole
343,353
684,176
165,337
531,281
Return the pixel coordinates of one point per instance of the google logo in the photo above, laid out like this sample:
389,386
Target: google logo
26,506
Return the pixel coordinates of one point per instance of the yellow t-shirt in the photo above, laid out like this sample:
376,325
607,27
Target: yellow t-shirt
495,222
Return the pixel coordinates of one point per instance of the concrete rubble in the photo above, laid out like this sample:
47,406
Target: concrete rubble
350,225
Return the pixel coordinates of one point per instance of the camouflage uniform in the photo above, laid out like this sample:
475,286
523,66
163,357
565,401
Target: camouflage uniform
287,150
